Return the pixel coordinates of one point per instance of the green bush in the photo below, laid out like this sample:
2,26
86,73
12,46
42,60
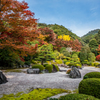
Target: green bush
41,67
77,97
92,64
90,86
58,61
34,62
49,68
71,63
96,64
68,58
67,63
78,65
92,75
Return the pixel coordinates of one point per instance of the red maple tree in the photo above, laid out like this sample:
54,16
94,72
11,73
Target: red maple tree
17,25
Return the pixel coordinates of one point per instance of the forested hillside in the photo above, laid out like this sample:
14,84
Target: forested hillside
90,35
59,30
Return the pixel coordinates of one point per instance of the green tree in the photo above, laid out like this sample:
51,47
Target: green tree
91,57
45,53
85,50
93,43
93,46
65,52
75,57
97,37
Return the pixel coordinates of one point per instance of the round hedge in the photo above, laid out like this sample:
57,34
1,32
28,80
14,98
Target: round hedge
49,68
90,86
92,75
77,97
41,67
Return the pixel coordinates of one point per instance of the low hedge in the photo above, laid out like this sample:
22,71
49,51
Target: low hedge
76,97
92,75
41,67
49,68
90,86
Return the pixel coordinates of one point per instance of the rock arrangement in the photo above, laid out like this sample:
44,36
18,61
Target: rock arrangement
54,68
3,78
75,73
33,71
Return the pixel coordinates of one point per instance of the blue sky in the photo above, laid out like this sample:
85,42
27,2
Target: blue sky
80,16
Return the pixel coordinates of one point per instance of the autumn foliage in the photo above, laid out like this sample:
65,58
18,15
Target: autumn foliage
17,25
98,49
98,57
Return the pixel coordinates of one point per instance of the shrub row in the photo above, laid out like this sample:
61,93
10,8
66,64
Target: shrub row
45,66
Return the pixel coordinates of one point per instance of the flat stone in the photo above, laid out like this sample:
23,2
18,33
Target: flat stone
57,96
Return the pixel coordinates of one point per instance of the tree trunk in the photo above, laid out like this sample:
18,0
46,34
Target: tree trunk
41,62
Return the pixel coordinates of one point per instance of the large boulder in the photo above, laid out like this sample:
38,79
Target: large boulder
3,78
54,68
75,73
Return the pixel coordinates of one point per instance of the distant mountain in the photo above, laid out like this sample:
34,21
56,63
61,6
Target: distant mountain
90,35
59,30
92,32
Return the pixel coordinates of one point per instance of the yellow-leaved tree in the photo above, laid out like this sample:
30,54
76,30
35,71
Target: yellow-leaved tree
64,37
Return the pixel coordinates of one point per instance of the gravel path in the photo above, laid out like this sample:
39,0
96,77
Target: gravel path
25,82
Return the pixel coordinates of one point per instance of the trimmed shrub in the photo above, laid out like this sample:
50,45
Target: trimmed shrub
96,64
49,68
71,63
90,86
75,58
77,97
58,61
92,64
34,62
78,65
67,63
41,67
85,62
68,58
92,75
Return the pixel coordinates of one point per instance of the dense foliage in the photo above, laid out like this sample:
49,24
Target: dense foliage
90,35
36,94
90,86
92,75
41,67
59,30
76,97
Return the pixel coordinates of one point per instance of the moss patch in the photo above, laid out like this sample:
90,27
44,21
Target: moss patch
36,94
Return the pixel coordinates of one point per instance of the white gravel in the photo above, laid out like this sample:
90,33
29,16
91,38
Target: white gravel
24,82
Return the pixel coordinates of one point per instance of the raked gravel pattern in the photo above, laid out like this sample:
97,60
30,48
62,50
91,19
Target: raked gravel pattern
18,82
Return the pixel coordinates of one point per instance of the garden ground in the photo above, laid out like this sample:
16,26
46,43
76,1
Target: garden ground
27,82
